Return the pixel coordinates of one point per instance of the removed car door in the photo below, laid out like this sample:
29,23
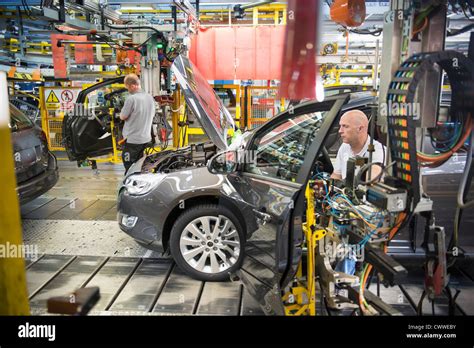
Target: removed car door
85,130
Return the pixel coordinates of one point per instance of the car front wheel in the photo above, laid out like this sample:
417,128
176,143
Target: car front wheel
207,242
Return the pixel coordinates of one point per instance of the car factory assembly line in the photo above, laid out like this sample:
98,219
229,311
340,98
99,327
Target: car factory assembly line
237,206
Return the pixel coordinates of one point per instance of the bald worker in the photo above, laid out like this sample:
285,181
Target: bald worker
137,112
353,129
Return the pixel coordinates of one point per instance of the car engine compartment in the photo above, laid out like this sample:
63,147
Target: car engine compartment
195,155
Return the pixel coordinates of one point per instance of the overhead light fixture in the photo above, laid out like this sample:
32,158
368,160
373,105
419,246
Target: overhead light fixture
137,8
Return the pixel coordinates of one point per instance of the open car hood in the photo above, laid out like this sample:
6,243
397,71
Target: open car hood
203,101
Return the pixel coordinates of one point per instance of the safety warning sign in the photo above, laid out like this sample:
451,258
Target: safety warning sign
52,98
61,99
67,96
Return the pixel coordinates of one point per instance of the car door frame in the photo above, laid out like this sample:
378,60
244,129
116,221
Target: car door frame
68,125
295,215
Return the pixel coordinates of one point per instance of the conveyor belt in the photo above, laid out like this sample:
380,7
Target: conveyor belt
134,286
138,286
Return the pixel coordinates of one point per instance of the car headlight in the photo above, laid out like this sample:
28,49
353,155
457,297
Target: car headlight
141,184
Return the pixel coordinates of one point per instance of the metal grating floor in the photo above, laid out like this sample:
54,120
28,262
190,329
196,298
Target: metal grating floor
156,286
134,286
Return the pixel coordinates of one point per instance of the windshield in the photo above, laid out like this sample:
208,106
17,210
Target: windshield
18,120
280,152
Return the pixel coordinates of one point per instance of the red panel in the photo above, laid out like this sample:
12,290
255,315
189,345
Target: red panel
276,56
59,60
298,78
245,48
263,52
133,57
205,49
84,54
239,52
224,53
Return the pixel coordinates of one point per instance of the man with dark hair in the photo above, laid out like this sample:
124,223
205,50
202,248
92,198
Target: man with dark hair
137,112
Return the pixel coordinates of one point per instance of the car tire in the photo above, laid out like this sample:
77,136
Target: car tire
196,254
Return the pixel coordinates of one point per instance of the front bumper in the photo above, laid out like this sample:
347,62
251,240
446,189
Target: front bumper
144,231
35,187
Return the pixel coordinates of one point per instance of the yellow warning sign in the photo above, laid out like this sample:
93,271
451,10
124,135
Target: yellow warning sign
51,106
52,98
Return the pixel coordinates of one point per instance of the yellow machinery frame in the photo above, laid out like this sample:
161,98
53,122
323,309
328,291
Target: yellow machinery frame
301,298
252,119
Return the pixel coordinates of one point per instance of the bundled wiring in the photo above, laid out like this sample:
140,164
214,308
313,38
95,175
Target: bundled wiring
438,159
362,302
364,306
443,145
420,29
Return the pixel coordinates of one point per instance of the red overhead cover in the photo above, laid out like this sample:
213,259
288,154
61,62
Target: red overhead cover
239,53
84,53
298,77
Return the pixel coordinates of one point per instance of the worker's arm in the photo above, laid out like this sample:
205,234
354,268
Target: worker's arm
127,109
375,171
337,172
378,156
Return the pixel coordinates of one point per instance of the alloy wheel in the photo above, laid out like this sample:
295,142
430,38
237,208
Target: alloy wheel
210,244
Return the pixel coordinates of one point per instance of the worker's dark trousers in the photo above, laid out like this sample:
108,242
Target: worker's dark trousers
132,153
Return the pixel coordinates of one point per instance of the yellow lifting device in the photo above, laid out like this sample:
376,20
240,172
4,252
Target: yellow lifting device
301,298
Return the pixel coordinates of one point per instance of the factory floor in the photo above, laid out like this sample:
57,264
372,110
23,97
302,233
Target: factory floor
78,243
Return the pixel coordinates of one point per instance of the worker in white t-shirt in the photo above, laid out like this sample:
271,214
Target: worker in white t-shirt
353,129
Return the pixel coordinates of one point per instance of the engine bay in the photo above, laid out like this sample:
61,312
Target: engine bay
195,155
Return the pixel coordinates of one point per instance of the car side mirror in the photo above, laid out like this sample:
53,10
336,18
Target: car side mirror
223,163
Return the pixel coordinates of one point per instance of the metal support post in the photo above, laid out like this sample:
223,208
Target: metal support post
13,290
237,108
